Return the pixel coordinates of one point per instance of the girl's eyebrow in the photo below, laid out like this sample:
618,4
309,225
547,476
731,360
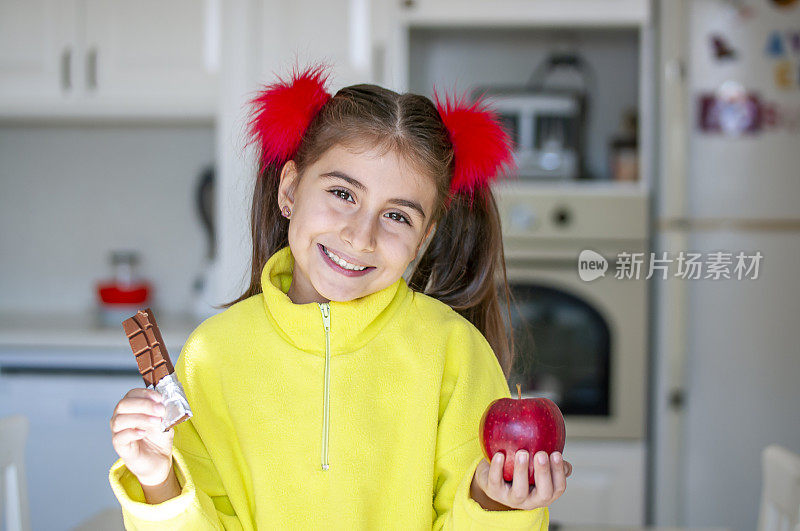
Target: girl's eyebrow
397,201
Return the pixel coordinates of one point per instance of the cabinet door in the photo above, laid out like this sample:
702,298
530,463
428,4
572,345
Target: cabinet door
69,450
607,484
150,54
37,50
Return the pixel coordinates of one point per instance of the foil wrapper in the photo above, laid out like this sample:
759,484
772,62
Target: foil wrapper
175,402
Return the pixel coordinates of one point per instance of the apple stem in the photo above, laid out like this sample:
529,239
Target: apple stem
519,391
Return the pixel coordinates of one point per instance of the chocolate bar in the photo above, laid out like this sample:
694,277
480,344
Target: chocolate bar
148,347
155,366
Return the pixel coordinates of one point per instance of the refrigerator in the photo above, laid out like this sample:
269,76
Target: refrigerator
726,354
725,378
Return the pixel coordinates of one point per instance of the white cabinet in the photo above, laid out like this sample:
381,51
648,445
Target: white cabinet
468,15
69,405
108,58
147,49
37,47
337,32
606,486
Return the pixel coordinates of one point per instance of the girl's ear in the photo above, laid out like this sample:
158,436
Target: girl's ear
287,185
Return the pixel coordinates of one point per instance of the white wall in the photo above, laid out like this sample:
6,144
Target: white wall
69,194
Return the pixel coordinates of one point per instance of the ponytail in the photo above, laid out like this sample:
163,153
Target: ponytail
463,265
268,229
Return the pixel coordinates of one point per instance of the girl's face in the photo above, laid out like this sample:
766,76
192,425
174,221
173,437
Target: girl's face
366,208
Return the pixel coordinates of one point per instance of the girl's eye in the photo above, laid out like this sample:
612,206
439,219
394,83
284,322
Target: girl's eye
405,220
337,191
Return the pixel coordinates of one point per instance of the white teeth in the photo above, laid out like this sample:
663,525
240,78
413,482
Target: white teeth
341,262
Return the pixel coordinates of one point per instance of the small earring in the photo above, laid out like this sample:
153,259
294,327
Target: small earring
286,212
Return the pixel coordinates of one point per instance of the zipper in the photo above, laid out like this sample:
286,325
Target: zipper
326,322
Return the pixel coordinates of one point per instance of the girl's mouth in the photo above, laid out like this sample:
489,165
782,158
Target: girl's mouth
339,269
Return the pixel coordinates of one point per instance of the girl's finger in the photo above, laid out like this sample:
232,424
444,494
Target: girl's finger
520,487
568,468
559,477
124,437
142,392
482,474
496,482
140,405
133,420
541,475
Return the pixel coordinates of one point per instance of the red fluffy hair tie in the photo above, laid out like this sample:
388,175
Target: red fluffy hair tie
482,148
283,111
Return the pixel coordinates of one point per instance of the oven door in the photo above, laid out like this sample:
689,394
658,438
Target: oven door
581,344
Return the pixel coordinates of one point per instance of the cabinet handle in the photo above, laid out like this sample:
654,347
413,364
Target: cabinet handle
66,73
676,399
91,68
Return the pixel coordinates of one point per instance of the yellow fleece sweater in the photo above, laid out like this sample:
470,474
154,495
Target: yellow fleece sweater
344,415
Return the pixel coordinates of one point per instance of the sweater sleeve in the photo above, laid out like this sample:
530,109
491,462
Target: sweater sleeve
472,380
203,503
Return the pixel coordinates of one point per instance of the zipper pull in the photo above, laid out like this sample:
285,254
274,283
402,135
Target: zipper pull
326,315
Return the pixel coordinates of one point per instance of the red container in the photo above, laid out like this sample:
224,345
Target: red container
111,293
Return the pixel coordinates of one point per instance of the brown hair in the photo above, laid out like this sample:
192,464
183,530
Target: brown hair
463,260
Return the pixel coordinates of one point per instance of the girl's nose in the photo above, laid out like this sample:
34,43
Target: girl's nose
360,233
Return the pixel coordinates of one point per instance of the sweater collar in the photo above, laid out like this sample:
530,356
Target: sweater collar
352,323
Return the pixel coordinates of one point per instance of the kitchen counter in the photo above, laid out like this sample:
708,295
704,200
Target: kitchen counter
80,330
76,341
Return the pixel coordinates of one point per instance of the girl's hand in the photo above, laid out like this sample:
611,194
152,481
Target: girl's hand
137,437
550,478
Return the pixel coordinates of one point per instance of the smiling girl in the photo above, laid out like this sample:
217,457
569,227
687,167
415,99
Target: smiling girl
333,394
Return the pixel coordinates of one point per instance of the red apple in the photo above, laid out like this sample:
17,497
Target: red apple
511,424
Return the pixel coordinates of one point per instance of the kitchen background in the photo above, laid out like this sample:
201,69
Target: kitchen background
652,125
72,193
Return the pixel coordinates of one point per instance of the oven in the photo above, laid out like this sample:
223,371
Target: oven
581,343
